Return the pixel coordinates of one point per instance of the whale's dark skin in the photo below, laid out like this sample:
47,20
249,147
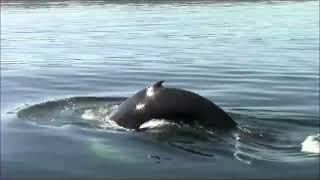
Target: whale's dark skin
158,102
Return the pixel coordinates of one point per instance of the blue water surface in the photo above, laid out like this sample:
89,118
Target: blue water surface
62,61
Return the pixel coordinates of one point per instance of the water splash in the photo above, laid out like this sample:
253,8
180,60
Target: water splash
311,144
91,112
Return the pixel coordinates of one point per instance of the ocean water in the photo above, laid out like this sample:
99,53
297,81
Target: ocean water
66,64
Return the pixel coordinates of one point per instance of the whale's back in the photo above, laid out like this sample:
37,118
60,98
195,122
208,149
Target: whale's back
171,104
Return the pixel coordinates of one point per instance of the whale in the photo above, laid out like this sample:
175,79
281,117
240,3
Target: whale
172,104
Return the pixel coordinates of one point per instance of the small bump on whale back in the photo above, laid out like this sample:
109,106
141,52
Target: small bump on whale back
158,84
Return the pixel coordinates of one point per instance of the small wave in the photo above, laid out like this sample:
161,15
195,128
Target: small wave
91,112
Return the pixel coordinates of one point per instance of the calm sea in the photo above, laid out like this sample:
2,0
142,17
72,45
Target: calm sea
66,64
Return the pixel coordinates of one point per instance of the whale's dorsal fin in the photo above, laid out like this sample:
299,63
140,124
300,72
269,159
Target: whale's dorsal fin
158,84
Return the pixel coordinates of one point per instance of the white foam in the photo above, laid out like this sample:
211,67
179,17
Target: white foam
311,144
88,115
97,114
110,124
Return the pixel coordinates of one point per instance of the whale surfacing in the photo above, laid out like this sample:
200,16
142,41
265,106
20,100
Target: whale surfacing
158,102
